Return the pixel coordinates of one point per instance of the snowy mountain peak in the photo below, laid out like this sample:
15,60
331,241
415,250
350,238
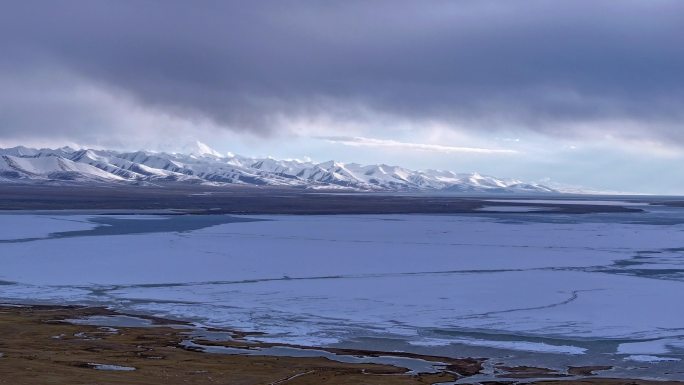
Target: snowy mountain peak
201,164
21,151
201,149
331,164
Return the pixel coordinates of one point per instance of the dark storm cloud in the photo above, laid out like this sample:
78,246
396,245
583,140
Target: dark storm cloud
542,65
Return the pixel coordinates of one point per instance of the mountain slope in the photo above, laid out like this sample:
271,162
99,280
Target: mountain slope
201,164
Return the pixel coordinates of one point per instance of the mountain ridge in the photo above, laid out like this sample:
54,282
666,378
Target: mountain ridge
201,164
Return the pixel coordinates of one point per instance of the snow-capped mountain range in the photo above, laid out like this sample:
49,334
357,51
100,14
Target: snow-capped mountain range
203,165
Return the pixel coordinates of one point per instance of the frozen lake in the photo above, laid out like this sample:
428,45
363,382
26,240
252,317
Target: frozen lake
525,288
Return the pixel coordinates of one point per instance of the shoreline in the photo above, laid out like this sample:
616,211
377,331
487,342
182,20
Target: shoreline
60,343
39,342
274,201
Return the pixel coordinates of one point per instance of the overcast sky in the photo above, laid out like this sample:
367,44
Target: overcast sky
587,93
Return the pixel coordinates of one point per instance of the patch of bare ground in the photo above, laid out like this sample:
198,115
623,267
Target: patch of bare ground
39,348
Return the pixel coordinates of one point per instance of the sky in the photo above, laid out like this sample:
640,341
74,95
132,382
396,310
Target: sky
568,93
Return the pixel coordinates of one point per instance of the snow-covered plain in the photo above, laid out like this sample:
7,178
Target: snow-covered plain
545,283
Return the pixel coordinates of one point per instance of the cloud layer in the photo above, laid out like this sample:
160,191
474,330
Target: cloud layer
563,69
357,141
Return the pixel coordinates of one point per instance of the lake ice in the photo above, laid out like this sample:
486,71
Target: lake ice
564,285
